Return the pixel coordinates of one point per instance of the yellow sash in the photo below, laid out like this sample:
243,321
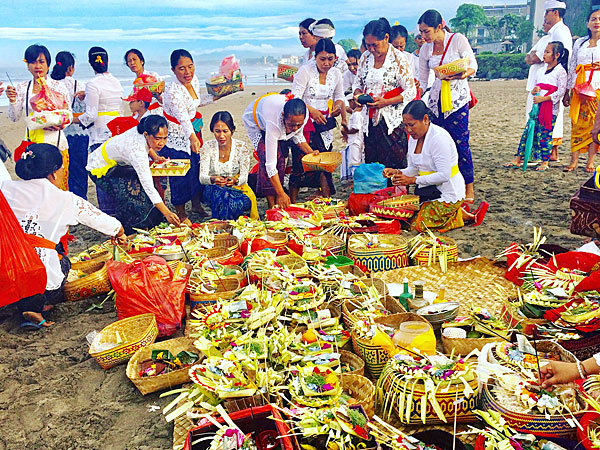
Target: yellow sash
576,101
254,116
108,113
248,192
110,163
446,96
453,172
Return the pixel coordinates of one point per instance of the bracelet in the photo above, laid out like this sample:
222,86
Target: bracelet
581,369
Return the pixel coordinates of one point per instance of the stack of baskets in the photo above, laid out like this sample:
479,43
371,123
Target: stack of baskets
389,253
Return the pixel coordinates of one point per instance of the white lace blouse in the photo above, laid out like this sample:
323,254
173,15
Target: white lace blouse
458,48
557,77
178,102
128,149
584,54
269,114
46,211
238,163
307,87
395,72
73,86
19,109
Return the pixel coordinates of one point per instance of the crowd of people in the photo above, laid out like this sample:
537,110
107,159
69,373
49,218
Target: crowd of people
393,108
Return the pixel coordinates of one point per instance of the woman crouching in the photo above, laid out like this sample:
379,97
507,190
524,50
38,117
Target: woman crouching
433,168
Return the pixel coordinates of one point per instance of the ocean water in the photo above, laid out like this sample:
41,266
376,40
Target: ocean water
254,74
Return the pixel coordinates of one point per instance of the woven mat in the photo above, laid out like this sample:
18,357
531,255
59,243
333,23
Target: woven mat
467,282
181,426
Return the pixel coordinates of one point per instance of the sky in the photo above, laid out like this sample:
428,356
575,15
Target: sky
210,29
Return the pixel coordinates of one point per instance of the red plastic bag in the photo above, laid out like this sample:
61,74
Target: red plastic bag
47,99
22,273
234,260
148,287
295,212
229,64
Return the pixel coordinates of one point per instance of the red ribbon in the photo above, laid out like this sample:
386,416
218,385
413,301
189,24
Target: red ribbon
545,114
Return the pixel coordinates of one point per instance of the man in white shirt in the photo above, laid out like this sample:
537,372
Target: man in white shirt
557,31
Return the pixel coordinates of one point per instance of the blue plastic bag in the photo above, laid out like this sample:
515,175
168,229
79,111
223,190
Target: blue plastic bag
368,178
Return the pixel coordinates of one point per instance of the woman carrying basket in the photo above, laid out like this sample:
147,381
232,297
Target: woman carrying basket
321,87
584,71
449,96
386,75
274,122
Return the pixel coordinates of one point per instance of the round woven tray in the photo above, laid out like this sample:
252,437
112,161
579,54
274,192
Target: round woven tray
147,385
91,265
354,361
328,242
226,289
389,303
97,282
400,207
464,346
324,161
377,259
133,333
360,389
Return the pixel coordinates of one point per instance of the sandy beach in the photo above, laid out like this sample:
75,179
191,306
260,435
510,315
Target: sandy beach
54,396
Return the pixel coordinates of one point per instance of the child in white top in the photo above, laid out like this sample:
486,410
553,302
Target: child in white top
353,155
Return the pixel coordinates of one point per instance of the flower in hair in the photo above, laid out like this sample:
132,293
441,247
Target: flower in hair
27,154
289,96
99,59
58,63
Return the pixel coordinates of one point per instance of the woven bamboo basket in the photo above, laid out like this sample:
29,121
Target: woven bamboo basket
276,238
328,242
464,346
97,282
221,247
239,275
400,207
147,385
516,320
360,389
354,361
286,72
427,257
295,264
552,426
323,162
129,334
393,383
237,404
220,228
389,303
378,259
93,264
226,289
375,356
219,90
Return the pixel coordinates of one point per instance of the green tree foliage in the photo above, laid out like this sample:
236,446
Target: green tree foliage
502,65
348,44
576,16
524,33
510,23
494,29
410,43
468,17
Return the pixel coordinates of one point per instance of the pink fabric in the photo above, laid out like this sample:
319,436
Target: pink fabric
545,114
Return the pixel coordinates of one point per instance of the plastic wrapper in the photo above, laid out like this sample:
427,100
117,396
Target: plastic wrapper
229,65
149,286
368,178
150,82
22,273
48,99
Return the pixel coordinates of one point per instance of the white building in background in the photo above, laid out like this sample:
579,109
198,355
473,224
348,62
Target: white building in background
291,60
536,13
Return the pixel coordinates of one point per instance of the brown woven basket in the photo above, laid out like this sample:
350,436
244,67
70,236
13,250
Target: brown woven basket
226,289
97,282
91,265
389,303
464,346
277,238
323,162
218,227
328,242
237,404
361,389
147,385
354,361
223,246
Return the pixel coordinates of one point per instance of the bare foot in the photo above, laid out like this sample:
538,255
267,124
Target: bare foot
589,169
37,318
570,168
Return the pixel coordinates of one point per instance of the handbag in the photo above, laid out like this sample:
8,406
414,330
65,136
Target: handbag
473,100
585,89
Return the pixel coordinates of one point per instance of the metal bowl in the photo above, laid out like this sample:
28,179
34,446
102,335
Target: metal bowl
171,256
439,312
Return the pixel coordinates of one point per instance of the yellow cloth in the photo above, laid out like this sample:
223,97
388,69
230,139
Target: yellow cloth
65,183
248,192
446,96
254,116
576,101
109,113
453,172
581,130
110,163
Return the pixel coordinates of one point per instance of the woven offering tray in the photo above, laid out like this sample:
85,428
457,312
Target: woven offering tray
400,207
453,68
170,168
324,162
286,72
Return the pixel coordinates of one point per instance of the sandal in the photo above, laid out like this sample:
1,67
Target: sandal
541,168
480,213
32,326
511,165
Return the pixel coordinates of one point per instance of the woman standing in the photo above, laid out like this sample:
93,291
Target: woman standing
386,75
449,97
38,60
433,168
76,135
103,100
45,212
270,122
224,167
307,39
120,168
586,55
319,85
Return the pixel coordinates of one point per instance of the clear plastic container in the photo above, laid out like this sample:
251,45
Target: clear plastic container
417,335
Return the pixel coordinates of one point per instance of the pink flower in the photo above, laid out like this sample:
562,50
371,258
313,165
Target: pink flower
327,387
